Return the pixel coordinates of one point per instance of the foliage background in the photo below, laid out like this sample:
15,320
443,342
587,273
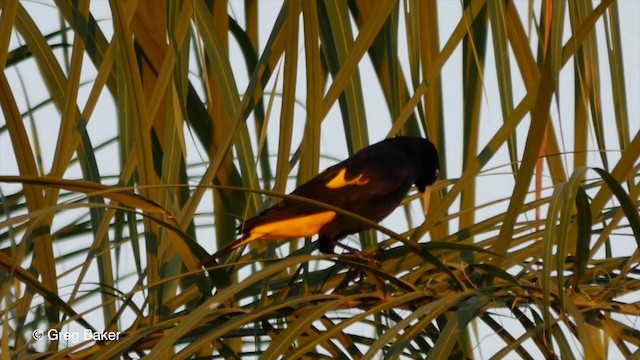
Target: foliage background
136,133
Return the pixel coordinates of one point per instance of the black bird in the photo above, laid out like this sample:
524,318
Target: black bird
371,183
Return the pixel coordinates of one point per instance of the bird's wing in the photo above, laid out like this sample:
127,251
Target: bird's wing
368,174
358,180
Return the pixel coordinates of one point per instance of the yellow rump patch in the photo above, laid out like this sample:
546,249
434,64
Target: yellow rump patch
301,226
339,181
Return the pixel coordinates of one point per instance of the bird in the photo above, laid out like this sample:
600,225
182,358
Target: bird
370,183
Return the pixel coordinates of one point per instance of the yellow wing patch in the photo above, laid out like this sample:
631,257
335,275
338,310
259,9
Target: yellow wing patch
339,181
301,226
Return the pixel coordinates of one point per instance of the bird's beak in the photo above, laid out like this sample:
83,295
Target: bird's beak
426,196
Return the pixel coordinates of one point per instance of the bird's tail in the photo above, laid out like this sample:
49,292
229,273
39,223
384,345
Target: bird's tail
245,239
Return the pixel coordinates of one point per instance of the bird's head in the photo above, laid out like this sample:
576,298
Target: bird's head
429,164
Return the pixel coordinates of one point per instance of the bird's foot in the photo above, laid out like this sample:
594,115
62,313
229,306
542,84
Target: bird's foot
367,256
